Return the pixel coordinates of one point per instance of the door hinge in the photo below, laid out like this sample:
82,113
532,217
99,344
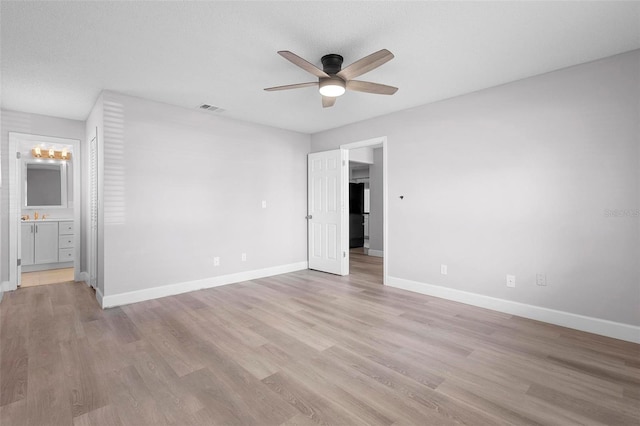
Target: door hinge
344,254
344,163
18,155
19,262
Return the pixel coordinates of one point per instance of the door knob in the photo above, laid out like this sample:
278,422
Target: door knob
309,216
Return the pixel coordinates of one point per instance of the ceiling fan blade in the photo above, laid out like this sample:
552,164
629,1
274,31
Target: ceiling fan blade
305,65
366,64
291,86
328,101
368,87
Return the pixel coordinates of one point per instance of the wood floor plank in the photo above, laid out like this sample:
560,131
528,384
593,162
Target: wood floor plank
49,406
14,361
302,348
587,408
103,416
14,414
379,394
86,388
309,403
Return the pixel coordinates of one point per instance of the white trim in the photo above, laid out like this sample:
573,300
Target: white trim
5,286
184,287
46,266
375,253
376,143
99,297
344,218
599,326
84,276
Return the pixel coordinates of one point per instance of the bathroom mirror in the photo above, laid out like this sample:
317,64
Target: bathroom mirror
45,184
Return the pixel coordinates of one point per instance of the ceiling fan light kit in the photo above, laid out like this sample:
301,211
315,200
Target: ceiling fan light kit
332,87
333,81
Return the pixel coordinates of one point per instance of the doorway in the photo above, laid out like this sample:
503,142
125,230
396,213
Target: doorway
366,206
328,212
44,210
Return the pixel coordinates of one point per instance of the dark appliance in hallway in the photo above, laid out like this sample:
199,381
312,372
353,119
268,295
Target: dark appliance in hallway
356,215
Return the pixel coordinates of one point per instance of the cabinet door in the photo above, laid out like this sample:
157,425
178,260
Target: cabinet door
46,242
26,238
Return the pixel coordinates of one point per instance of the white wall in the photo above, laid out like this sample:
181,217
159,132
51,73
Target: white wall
182,186
517,179
20,122
377,208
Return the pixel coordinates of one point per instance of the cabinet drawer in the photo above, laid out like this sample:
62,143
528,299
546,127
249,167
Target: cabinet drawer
65,241
65,255
65,228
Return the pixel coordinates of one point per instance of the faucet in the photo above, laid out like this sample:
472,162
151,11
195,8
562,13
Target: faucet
44,216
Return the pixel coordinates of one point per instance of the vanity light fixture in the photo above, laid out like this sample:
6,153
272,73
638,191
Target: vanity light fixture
51,153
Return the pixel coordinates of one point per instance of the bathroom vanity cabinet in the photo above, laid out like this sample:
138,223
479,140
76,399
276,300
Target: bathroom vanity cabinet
46,243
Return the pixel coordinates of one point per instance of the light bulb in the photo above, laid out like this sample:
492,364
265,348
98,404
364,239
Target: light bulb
332,87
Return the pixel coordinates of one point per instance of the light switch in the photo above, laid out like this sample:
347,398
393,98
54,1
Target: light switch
264,204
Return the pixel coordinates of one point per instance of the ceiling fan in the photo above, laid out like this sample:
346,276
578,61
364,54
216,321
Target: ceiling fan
333,80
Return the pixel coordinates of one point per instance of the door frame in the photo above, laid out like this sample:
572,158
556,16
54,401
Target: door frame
373,143
15,200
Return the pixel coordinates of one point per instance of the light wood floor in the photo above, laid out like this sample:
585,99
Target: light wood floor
51,276
301,348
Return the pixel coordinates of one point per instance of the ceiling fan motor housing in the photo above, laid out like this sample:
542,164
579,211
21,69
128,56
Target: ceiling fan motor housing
332,63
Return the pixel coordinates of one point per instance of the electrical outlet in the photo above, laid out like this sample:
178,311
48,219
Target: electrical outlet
511,280
264,204
443,269
541,280
244,257
216,261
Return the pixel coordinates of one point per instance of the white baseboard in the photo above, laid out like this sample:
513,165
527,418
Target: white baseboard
110,301
47,266
84,276
599,326
376,253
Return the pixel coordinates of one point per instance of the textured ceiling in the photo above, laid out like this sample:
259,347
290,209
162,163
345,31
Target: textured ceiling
56,57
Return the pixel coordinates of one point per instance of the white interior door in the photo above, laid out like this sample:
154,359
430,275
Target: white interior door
327,211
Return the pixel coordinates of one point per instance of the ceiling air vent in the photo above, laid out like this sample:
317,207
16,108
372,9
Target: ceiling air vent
211,108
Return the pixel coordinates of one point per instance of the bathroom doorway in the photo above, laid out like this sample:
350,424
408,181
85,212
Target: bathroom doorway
44,210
